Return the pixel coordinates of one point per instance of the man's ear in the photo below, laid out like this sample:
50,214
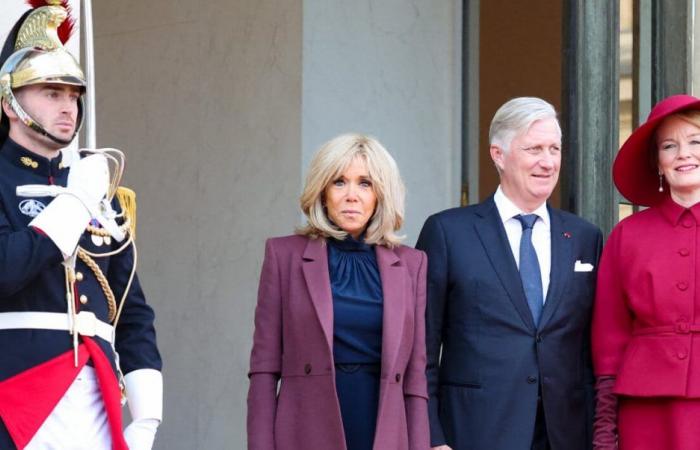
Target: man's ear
497,156
7,110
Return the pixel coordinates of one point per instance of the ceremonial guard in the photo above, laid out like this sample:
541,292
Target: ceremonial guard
73,317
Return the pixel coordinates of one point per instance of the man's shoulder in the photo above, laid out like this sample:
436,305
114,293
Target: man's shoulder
573,221
462,213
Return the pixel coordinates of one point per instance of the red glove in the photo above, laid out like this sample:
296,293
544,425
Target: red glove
605,422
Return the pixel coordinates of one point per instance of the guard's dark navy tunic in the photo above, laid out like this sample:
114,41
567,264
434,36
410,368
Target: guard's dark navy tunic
32,278
357,337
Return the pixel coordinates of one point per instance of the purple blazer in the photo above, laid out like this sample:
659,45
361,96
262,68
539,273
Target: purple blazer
293,349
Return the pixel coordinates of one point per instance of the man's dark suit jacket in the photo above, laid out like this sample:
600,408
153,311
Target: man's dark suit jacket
484,388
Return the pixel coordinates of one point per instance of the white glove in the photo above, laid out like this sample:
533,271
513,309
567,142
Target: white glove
66,218
69,155
144,393
88,180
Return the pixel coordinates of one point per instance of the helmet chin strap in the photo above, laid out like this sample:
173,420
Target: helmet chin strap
41,130
36,126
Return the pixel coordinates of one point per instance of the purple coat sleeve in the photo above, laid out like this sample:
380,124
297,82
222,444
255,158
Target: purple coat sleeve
266,357
415,383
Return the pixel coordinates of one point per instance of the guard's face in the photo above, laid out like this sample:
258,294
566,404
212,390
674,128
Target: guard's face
54,106
678,144
350,199
529,170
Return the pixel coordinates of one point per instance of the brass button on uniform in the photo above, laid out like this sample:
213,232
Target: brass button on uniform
307,368
79,276
83,299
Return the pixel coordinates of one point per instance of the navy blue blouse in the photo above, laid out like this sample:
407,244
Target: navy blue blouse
357,302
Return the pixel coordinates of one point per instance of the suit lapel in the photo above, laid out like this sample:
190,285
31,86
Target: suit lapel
393,276
495,242
318,283
562,266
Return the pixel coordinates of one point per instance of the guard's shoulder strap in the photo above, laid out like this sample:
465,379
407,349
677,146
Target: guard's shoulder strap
127,202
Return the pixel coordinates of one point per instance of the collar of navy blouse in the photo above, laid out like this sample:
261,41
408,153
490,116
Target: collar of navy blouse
30,161
351,244
674,213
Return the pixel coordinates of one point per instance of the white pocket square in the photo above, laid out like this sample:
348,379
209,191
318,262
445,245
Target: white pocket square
582,267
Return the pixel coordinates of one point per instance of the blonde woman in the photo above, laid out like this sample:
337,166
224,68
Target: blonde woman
338,359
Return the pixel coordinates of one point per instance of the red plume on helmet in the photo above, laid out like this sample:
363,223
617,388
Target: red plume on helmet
65,31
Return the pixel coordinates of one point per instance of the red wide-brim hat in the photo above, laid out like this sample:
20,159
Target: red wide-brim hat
634,171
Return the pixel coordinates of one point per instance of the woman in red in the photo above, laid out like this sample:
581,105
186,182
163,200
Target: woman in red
646,319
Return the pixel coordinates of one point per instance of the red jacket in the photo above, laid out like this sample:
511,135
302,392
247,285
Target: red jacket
293,345
646,316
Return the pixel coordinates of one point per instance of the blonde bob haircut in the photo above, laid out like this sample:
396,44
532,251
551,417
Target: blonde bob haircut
329,162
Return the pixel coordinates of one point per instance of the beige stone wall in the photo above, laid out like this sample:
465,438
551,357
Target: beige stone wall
205,99
391,69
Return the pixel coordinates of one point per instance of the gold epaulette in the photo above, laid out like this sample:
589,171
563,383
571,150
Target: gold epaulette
127,201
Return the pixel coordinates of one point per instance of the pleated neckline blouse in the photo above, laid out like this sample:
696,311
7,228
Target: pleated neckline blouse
357,301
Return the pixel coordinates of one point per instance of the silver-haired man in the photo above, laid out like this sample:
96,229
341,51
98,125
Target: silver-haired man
510,289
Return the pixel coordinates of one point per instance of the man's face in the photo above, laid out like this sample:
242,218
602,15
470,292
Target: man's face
53,106
529,170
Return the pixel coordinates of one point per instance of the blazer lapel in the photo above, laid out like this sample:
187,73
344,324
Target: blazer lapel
495,242
318,283
393,276
562,266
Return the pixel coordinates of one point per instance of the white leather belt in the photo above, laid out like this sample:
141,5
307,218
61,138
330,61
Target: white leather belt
86,323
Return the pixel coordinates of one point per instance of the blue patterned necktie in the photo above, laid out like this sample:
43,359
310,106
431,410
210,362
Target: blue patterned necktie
530,268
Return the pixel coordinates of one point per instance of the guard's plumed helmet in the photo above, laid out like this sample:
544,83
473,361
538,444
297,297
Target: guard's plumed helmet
38,56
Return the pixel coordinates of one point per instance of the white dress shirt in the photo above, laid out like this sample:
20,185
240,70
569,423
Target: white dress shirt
541,234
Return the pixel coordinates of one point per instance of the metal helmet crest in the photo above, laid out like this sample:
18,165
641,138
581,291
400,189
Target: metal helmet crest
39,57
